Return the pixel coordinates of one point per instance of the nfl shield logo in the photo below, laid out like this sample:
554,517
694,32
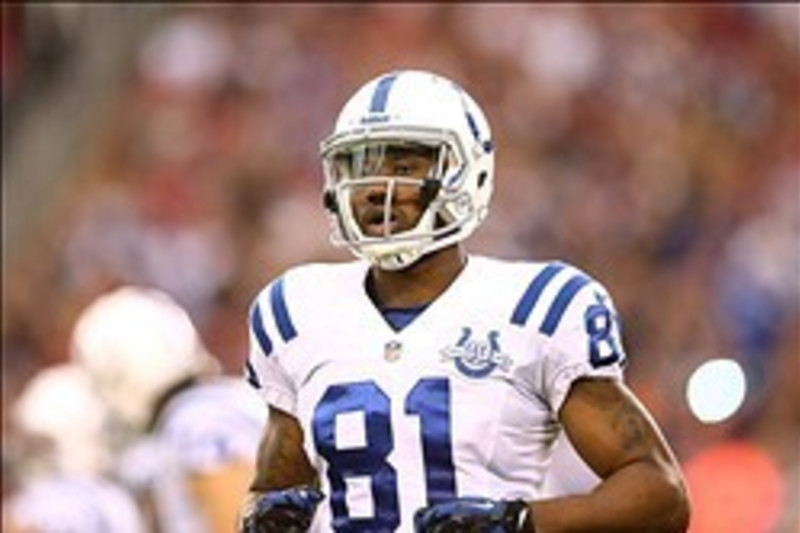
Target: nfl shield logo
392,350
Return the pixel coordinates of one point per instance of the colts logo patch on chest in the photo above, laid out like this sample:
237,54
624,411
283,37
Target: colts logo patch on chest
477,357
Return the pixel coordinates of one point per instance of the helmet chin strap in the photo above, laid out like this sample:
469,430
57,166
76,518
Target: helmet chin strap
397,260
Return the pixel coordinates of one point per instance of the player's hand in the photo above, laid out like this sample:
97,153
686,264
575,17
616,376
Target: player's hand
281,511
472,515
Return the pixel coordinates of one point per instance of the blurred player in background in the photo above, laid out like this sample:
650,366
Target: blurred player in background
194,431
60,459
422,388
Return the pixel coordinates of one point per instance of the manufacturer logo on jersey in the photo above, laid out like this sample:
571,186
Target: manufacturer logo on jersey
477,358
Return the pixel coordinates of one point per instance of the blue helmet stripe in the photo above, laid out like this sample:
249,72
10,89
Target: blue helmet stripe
533,292
257,325
473,127
284,321
381,94
563,298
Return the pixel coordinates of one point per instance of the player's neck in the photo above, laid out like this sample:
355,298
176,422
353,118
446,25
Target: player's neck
419,284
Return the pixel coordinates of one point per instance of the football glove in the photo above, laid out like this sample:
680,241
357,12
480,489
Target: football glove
472,515
281,511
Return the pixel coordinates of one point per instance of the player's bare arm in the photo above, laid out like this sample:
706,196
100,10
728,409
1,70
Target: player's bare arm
642,490
282,497
281,462
232,479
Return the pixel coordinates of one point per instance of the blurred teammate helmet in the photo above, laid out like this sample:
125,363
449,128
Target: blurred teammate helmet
400,109
59,423
137,343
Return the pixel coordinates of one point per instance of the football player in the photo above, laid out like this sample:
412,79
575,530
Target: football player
422,388
194,431
60,460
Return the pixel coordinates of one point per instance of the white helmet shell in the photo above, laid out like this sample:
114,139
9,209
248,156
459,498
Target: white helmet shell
136,343
413,106
59,423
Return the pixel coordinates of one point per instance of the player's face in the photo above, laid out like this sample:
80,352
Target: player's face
380,207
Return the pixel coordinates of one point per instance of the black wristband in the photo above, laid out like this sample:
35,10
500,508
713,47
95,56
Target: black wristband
524,517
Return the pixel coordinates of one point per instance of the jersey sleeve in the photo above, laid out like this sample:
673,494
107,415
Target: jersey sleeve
138,465
584,338
270,329
572,329
212,426
74,503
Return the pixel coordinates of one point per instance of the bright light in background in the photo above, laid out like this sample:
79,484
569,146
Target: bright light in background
716,390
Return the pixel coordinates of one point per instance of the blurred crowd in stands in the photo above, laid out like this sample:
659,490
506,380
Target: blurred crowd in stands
655,146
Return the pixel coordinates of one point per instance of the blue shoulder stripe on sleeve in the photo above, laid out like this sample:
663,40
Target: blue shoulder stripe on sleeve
284,321
562,300
257,324
533,292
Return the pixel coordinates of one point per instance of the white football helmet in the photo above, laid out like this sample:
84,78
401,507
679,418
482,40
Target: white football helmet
137,343
408,108
59,424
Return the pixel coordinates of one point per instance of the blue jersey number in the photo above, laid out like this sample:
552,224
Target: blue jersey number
603,347
430,400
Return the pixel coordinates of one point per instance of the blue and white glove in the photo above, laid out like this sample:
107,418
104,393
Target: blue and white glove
282,511
472,515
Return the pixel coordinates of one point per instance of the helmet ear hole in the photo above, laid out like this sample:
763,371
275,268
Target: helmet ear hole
482,178
329,201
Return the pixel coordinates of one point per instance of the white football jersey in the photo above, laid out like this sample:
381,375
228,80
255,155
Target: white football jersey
201,428
74,503
568,474
460,402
